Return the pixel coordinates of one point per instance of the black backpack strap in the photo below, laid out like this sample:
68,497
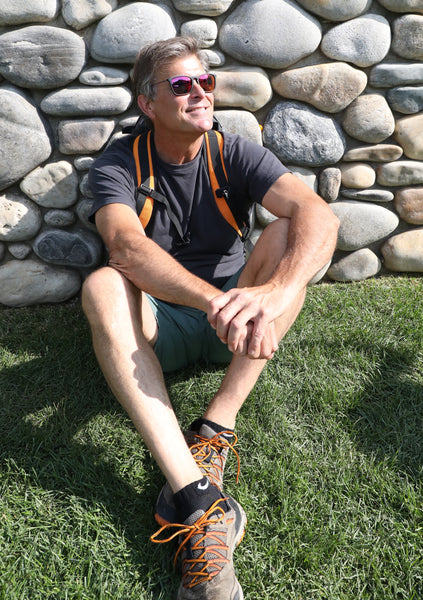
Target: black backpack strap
220,186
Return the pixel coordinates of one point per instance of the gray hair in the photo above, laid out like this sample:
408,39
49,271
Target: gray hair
155,55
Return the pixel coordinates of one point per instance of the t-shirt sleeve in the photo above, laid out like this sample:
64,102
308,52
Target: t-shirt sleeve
111,178
252,169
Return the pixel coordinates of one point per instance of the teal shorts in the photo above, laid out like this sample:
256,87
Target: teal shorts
185,335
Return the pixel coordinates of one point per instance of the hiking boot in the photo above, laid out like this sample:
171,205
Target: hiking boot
210,450
207,542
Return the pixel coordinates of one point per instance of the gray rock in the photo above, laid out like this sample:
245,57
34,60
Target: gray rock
330,87
203,30
409,205
84,186
241,122
214,57
357,175
391,75
119,36
83,163
409,134
377,153
24,140
329,183
83,211
363,41
400,172
242,87
269,33
52,186
19,12
20,218
407,100
403,5
308,176
362,224
369,119
59,218
41,57
357,266
404,252
336,10
87,101
28,282
407,39
210,8
79,14
84,136
264,217
373,195
302,135
102,75
77,248
20,251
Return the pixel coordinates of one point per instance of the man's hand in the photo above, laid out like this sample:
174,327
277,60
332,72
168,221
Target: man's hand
243,320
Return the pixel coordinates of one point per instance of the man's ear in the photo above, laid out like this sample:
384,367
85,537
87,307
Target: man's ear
145,105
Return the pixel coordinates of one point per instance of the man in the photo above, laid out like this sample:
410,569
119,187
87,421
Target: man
166,299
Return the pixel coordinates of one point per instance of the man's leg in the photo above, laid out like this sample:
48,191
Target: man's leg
123,329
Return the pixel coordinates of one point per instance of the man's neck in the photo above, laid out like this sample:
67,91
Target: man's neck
177,150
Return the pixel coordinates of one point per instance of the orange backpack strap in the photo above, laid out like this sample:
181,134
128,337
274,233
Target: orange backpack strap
142,155
219,182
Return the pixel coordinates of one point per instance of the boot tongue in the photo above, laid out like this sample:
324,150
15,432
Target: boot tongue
208,432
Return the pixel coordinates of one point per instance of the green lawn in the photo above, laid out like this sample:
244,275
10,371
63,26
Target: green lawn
330,442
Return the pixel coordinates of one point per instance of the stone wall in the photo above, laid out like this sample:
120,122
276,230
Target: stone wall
334,88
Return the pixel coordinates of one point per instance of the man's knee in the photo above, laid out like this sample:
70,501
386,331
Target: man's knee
103,288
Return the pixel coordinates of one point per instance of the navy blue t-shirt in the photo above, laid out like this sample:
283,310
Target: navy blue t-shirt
215,251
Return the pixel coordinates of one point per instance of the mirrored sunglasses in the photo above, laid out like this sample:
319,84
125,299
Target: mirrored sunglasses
182,84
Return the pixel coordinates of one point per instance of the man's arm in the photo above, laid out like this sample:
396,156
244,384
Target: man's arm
310,243
145,264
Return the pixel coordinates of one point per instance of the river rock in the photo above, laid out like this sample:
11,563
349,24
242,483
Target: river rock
54,186
242,87
241,122
24,283
269,33
301,135
77,248
79,14
83,101
20,218
404,252
330,87
41,57
357,175
369,119
407,100
362,224
377,153
84,136
400,172
19,250
210,8
363,41
407,39
24,140
373,195
336,10
27,11
83,211
102,75
357,266
391,75
409,133
59,218
403,5
329,183
203,30
409,205
308,176
119,36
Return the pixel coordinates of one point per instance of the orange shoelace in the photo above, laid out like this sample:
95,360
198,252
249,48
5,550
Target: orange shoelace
207,456
199,569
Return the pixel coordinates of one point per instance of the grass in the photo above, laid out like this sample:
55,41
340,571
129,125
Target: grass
330,441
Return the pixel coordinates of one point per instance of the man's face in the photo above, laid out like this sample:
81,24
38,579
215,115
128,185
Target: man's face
191,113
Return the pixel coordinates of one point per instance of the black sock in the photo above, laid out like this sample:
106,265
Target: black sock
199,495
196,425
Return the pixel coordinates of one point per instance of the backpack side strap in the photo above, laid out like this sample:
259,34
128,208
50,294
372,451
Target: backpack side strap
144,199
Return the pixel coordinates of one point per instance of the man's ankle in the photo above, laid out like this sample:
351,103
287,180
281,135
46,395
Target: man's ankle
199,495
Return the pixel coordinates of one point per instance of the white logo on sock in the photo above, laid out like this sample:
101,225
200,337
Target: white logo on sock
203,486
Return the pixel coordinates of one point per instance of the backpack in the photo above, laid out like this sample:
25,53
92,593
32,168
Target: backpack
146,182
